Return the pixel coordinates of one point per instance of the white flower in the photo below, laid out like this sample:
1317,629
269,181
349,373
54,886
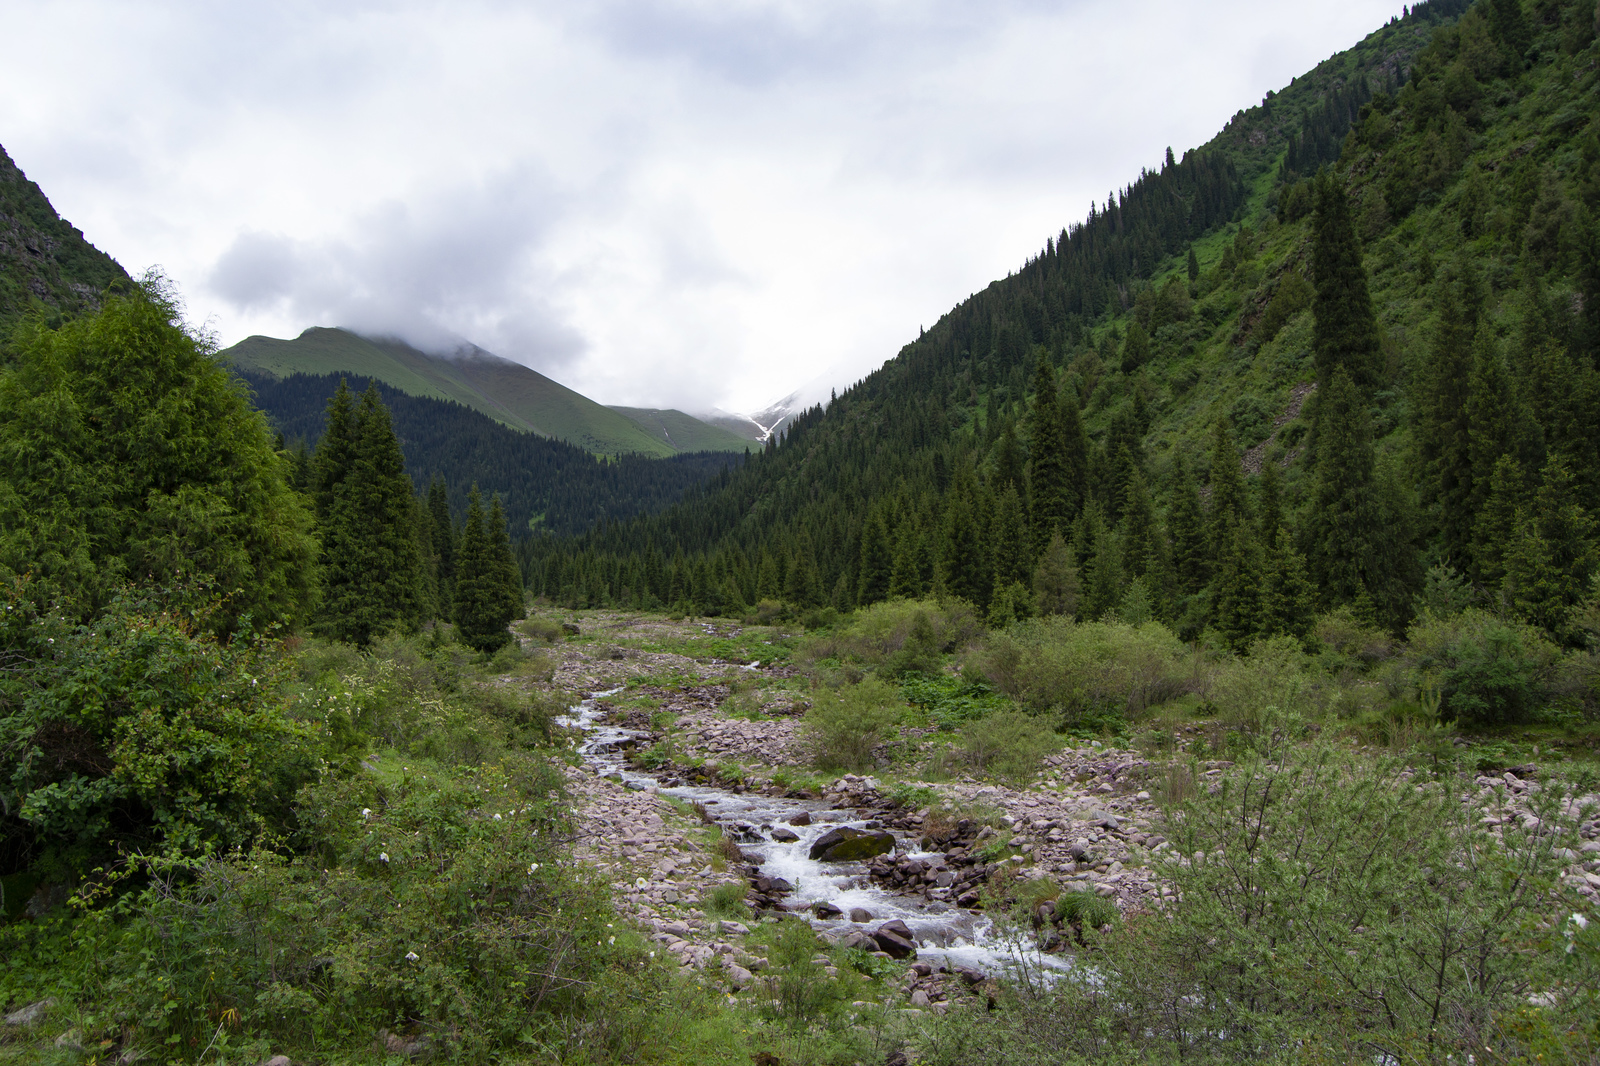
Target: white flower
366,812
412,956
497,817
641,882
611,940
1580,921
532,867
383,856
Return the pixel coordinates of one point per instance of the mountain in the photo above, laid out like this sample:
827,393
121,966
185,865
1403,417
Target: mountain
759,425
1380,285
546,485
44,260
684,432
506,391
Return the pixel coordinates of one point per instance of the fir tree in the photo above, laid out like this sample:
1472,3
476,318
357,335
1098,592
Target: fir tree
444,538
963,565
1012,549
1236,597
1443,426
480,587
372,570
1104,590
877,562
1135,348
1190,554
1552,560
505,564
1194,265
1230,506
1288,600
1345,329
1269,490
1055,580
1048,492
1343,522
804,585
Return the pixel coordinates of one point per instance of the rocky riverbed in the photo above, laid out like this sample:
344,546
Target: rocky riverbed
1087,823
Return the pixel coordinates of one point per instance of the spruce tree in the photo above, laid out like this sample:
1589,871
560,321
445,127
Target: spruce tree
1135,348
372,569
1012,548
504,562
964,566
1269,509
444,536
1191,557
1230,506
1105,585
1236,595
877,562
1193,266
1048,493
1342,527
1552,558
1055,581
1345,329
804,585
1288,600
480,587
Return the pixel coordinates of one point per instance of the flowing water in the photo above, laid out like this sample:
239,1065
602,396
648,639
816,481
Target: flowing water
943,931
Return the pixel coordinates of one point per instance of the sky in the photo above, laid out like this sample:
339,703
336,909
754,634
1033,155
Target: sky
660,203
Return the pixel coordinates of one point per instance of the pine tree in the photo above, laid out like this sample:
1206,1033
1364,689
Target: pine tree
877,562
1013,550
1236,597
505,563
444,540
1105,585
1048,492
1140,532
1191,558
964,566
1009,467
1135,348
1288,600
1075,457
372,569
480,588
804,585
1502,449
1343,522
1055,580
1230,506
1552,559
1194,265
1269,489
1345,329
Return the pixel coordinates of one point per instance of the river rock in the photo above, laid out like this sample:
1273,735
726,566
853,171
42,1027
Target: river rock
851,845
860,915
785,836
738,976
803,818
30,1015
896,939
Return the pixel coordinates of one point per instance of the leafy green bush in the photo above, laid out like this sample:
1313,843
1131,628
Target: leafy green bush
876,633
950,701
1487,671
138,732
1007,743
845,725
435,904
545,629
727,900
1082,673
1085,910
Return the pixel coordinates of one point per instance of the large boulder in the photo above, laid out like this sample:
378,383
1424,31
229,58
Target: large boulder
851,845
896,940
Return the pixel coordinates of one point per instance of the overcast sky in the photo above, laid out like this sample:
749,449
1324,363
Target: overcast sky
657,202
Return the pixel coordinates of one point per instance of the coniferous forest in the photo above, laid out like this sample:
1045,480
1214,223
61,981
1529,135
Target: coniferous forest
1185,651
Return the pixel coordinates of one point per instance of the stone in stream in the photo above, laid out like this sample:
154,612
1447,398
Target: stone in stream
850,845
825,910
803,818
785,836
896,939
860,915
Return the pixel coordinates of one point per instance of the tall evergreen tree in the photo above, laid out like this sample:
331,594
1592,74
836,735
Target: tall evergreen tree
1552,558
1342,528
1191,556
964,566
877,562
1105,585
1056,585
1013,550
1288,600
504,562
1236,599
1048,492
804,585
372,568
1345,329
1443,426
480,586
1230,506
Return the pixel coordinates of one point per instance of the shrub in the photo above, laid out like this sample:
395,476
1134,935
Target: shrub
545,629
727,900
876,633
1487,671
1008,743
1084,673
845,725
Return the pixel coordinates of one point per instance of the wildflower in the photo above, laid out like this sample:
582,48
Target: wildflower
383,856
611,940
497,817
412,956
532,867
366,812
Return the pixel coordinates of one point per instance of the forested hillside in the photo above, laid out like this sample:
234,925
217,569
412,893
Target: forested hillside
44,260
1338,356
545,484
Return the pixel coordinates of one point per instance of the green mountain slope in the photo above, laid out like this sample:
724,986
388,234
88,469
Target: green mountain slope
44,260
506,391
684,432
1175,329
